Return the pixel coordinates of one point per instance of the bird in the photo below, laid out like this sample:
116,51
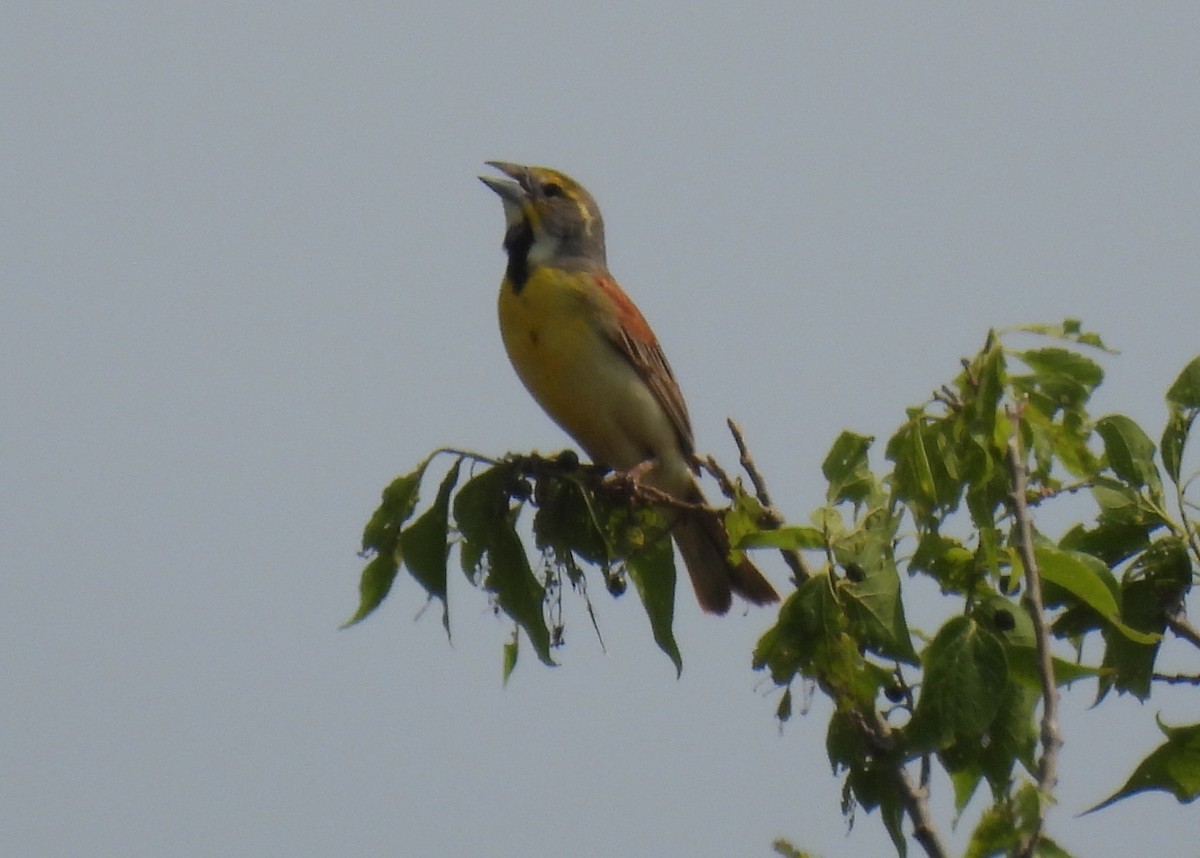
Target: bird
589,358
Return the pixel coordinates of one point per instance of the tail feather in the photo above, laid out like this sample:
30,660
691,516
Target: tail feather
704,546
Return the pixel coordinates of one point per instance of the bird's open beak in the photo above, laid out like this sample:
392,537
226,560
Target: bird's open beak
514,193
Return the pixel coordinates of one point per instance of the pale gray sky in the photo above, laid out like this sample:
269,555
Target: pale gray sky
248,276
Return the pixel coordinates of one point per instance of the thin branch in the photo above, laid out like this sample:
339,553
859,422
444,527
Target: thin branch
710,464
1069,489
791,557
1178,622
615,484
1050,736
747,462
1189,527
877,731
1177,678
465,454
914,798
915,802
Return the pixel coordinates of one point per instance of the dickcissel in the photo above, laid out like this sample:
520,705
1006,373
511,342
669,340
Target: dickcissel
589,358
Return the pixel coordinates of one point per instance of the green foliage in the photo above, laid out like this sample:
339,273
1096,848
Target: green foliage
974,704
1173,767
578,518
944,516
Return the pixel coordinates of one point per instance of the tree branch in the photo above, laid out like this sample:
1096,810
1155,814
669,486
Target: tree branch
914,798
917,806
1178,622
1050,736
791,557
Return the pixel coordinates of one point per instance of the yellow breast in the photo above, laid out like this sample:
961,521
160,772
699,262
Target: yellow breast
554,336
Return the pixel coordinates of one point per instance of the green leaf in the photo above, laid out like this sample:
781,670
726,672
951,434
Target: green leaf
810,635
995,834
373,586
1011,737
1005,825
847,469
1058,361
783,712
1173,767
950,562
981,390
518,591
1069,329
399,500
1131,663
791,538
965,676
1185,392
828,521
1112,540
872,594
788,646
568,521
1011,622
1130,452
1024,667
653,572
1062,381
483,501
1158,579
925,470
481,510
424,545
875,787
1088,580
785,849
381,537
868,783
1117,502
511,651
1174,439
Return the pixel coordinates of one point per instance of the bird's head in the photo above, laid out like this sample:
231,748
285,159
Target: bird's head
549,215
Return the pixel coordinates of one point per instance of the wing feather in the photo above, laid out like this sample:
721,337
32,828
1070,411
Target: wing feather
630,333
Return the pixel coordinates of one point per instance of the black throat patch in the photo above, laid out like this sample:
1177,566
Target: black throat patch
517,242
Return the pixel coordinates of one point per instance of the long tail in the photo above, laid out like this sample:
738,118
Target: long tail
704,546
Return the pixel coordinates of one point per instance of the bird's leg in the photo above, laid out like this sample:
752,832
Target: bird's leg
635,474
629,479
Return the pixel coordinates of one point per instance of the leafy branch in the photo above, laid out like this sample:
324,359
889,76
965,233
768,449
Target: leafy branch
968,472
1047,776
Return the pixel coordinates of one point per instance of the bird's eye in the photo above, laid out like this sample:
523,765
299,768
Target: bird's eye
552,189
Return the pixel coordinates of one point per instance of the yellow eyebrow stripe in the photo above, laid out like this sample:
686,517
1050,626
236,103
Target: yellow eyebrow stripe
588,220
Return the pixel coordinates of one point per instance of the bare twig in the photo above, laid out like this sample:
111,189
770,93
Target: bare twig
1050,736
1177,678
747,462
710,464
791,557
1178,623
949,397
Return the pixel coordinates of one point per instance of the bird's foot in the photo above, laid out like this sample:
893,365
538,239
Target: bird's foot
629,480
